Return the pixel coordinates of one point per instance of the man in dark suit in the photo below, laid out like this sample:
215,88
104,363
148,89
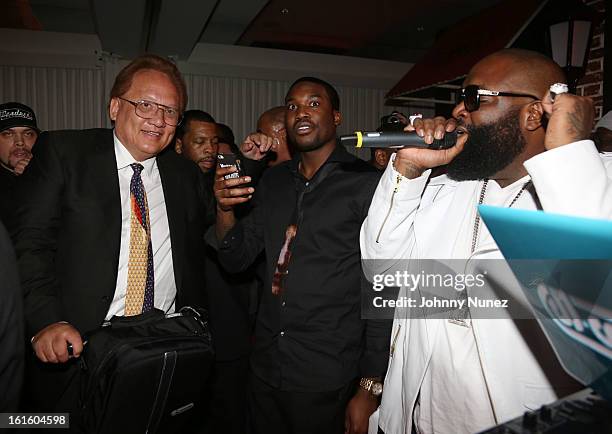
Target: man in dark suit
109,225
11,327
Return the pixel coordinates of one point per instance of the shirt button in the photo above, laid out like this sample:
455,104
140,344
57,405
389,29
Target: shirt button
283,304
282,333
307,184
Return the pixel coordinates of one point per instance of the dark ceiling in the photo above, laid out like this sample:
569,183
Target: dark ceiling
379,29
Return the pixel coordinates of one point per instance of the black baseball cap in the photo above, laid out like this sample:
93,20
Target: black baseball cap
14,114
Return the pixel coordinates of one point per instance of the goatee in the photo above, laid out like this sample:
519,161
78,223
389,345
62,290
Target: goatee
489,149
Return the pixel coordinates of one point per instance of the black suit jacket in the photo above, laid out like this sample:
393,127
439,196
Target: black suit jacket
7,202
11,328
68,228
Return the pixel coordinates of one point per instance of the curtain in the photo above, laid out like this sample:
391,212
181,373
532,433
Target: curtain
62,98
75,98
238,102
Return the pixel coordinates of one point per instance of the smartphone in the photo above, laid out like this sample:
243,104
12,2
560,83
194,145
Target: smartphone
227,160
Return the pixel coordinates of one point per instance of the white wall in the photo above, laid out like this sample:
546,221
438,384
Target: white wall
66,79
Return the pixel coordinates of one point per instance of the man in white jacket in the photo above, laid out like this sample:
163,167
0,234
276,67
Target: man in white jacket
517,148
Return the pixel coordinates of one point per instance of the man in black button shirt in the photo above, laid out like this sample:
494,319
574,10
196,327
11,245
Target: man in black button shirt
311,345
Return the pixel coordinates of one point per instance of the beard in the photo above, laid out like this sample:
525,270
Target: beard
489,149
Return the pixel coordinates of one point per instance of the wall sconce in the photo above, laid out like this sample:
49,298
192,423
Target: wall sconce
570,38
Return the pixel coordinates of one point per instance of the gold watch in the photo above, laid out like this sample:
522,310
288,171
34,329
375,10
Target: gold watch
372,385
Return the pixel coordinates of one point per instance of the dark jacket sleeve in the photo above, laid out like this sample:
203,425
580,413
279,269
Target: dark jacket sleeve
11,328
35,235
205,191
375,357
240,247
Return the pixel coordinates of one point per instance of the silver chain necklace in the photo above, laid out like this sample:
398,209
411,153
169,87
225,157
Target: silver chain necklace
483,191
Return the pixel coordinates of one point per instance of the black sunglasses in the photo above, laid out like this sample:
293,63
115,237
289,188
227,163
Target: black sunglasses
470,95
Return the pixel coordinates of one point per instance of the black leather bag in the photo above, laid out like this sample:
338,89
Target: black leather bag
145,373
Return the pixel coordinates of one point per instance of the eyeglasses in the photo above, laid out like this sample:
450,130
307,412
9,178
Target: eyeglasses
148,109
471,96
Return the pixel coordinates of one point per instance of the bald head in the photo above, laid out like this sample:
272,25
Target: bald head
522,70
273,118
272,123
504,130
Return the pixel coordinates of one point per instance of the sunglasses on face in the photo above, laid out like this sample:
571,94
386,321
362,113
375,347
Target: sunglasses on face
470,95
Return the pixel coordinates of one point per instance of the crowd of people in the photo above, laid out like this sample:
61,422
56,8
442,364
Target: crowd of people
116,222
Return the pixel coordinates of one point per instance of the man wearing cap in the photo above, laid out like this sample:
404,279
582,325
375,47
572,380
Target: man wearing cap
18,132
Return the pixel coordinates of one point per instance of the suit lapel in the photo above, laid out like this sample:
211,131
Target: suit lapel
171,184
105,184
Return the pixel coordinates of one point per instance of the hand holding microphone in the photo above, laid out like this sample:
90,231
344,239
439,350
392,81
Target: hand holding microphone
422,145
396,140
391,135
398,132
412,162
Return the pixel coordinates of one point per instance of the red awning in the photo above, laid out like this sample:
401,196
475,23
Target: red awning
464,44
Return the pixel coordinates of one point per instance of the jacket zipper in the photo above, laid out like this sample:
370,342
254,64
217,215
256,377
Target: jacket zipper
397,183
399,327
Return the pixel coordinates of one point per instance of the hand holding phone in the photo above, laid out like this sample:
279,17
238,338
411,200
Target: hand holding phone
231,186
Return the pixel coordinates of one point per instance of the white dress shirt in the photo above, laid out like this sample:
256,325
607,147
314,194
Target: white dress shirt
165,285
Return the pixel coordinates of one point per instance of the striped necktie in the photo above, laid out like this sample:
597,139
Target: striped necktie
139,294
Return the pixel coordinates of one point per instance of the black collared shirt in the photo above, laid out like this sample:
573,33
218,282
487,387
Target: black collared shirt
311,337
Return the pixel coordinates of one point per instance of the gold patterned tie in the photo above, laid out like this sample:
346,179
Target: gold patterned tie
139,294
